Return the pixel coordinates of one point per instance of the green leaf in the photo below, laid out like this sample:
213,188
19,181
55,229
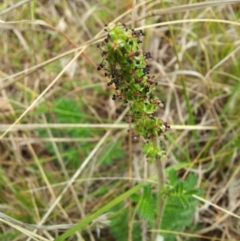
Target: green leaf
111,152
146,207
180,205
172,177
119,226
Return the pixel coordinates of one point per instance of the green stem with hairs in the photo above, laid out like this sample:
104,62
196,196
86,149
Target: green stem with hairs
160,198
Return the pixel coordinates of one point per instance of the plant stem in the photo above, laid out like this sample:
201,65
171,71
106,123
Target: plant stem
160,198
130,174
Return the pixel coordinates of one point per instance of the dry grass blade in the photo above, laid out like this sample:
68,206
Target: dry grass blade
25,231
188,7
190,21
14,6
217,207
16,127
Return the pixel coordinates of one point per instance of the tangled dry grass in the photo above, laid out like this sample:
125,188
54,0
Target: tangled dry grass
59,123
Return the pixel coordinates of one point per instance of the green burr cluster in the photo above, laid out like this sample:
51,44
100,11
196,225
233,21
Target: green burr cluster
125,64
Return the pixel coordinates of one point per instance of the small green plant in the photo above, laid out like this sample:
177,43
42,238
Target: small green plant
61,111
63,114
125,63
179,205
178,210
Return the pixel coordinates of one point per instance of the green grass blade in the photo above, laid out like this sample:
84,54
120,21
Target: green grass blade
93,216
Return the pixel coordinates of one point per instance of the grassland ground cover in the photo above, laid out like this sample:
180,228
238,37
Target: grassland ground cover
66,156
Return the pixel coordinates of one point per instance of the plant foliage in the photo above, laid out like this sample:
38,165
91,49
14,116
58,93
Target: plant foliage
125,64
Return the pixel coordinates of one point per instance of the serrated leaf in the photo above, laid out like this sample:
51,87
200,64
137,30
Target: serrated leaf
135,197
119,225
180,205
172,177
146,205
